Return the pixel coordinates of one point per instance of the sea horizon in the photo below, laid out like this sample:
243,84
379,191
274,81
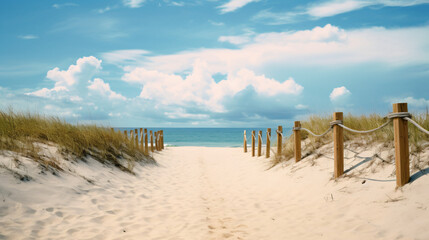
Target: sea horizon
209,137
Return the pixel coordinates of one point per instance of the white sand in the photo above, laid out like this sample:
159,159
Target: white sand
214,193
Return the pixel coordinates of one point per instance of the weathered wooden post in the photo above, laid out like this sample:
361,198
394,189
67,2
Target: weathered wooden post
260,143
267,153
245,142
338,146
136,132
141,140
253,143
159,140
146,147
297,138
402,151
126,134
162,139
156,141
151,141
132,137
279,140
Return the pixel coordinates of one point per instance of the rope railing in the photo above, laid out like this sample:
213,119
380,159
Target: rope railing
313,134
400,117
416,125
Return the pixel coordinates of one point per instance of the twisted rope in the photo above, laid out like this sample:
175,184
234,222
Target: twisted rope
321,135
416,124
365,131
278,132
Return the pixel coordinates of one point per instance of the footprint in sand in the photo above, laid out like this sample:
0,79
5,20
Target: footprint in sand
59,214
94,201
144,196
50,209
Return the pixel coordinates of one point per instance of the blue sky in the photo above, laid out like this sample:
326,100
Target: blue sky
212,63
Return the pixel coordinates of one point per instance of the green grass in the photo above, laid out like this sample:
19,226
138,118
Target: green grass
19,132
319,124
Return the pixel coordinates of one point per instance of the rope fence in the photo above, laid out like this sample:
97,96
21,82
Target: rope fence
400,118
142,140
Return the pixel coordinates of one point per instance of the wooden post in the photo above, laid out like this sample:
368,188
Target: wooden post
402,152
162,139
297,137
132,137
267,153
156,141
338,146
279,140
126,134
151,141
146,147
136,132
111,129
141,140
253,143
159,140
260,143
245,142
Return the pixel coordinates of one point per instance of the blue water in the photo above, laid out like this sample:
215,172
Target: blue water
210,137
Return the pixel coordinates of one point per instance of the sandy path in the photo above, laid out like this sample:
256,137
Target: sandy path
213,193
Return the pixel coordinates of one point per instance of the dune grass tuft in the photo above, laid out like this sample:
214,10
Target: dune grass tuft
21,133
319,124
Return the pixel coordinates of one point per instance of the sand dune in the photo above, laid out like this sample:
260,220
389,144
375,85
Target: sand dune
214,193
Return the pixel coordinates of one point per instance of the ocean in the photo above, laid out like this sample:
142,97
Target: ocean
211,137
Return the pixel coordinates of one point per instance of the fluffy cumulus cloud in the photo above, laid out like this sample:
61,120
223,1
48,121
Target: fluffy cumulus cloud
233,5
199,88
76,90
340,96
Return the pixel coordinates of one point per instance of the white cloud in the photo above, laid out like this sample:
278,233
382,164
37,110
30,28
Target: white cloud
133,3
200,89
329,8
339,94
98,85
72,84
103,10
320,46
301,107
62,5
178,4
216,23
332,8
85,68
128,56
335,7
233,5
28,37
419,103
237,40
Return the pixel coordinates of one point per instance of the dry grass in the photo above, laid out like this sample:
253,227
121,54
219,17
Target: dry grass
319,124
21,133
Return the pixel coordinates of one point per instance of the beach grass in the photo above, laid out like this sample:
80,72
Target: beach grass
23,132
319,124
